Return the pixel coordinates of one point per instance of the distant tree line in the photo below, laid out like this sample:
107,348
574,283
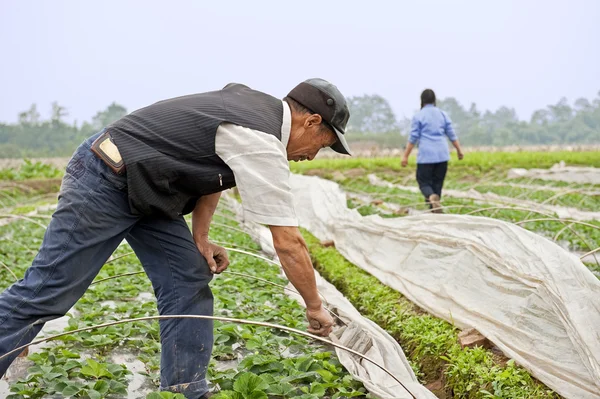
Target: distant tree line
32,136
372,119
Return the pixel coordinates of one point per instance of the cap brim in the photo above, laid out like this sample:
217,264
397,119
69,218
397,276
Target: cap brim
341,145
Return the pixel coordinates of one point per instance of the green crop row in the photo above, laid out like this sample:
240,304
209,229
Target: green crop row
482,161
31,170
430,344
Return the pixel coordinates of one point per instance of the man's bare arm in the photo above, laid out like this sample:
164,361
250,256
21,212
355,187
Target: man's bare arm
295,259
215,255
202,215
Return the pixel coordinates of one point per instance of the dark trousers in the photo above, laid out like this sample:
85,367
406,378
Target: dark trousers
91,220
430,177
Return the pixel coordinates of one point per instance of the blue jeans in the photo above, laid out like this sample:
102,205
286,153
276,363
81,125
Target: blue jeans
91,219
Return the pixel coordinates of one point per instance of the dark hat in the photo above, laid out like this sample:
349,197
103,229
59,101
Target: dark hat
323,98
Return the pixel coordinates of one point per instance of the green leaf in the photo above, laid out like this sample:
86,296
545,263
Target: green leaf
305,364
52,376
300,377
247,383
38,357
102,386
67,338
95,369
71,364
281,389
73,323
326,375
317,389
93,394
256,395
117,369
221,339
60,386
228,395
118,387
54,373
71,390
68,354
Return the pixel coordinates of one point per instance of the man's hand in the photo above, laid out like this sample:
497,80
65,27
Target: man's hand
404,161
215,255
320,321
460,155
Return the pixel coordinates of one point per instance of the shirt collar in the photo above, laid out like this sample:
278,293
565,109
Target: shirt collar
286,126
428,105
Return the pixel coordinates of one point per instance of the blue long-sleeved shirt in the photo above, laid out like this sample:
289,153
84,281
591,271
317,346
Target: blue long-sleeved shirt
429,128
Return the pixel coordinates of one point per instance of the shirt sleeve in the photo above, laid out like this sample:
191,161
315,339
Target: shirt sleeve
262,173
415,130
448,129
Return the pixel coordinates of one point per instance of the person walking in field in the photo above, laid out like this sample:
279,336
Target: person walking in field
136,180
429,128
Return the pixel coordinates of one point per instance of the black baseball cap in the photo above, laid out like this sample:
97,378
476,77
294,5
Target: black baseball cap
323,98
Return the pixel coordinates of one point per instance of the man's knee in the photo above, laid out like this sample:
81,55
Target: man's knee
35,306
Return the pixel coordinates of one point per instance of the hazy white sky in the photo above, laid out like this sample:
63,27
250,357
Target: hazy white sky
86,54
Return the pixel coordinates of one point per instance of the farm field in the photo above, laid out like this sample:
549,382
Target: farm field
258,362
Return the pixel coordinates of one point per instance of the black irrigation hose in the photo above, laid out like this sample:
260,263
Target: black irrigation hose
223,319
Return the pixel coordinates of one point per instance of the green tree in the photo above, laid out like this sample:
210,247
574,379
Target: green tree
30,117
58,113
112,113
371,114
